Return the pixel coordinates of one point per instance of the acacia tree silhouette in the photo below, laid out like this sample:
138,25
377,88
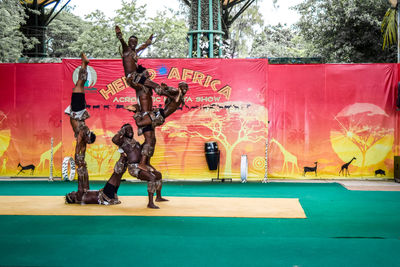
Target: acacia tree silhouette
228,126
364,129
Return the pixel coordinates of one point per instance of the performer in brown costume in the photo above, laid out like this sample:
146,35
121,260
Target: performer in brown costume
133,151
78,114
130,156
99,196
160,114
138,78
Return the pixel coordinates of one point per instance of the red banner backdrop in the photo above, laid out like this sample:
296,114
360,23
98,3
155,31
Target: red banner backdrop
328,114
333,115
30,115
225,103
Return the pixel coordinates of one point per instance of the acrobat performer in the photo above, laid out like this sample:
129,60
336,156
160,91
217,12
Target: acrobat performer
108,194
134,73
130,156
78,114
158,116
138,78
100,196
132,149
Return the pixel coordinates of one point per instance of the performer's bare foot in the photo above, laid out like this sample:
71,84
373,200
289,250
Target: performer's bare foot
84,59
160,199
178,96
152,206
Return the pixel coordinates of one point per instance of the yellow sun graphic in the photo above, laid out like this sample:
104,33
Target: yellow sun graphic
363,131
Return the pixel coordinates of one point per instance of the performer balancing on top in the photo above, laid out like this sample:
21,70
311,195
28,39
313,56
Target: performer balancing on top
138,78
78,114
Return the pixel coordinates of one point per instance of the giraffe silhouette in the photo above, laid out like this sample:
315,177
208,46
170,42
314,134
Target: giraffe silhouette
288,157
47,155
345,167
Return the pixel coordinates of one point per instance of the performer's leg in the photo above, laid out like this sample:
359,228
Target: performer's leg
82,76
142,120
151,184
147,150
171,105
152,118
159,198
83,181
112,185
90,197
86,181
119,170
108,194
162,90
151,188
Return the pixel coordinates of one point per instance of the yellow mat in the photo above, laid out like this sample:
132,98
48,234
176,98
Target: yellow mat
372,188
176,206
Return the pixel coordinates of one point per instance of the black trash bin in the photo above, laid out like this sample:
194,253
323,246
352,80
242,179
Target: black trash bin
212,155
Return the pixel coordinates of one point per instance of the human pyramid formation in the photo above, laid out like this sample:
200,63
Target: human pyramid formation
134,157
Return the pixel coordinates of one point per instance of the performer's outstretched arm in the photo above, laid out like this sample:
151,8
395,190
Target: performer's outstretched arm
120,38
145,45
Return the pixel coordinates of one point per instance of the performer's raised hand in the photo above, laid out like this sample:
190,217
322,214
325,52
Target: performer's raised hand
118,31
149,41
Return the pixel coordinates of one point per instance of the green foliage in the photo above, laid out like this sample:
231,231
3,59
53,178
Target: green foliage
12,41
389,28
98,39
132,20
169,30
67,35
244,30
96,36
345,30
280,41
64,30
170,36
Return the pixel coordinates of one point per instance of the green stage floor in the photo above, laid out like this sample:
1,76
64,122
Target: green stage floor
342,228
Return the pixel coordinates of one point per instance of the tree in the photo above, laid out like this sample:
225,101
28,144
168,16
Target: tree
131,18
244,30
362,132
101,153
98,40
240,123
389,25
170,36
230,11
64,30
280,41
12,41
343,30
